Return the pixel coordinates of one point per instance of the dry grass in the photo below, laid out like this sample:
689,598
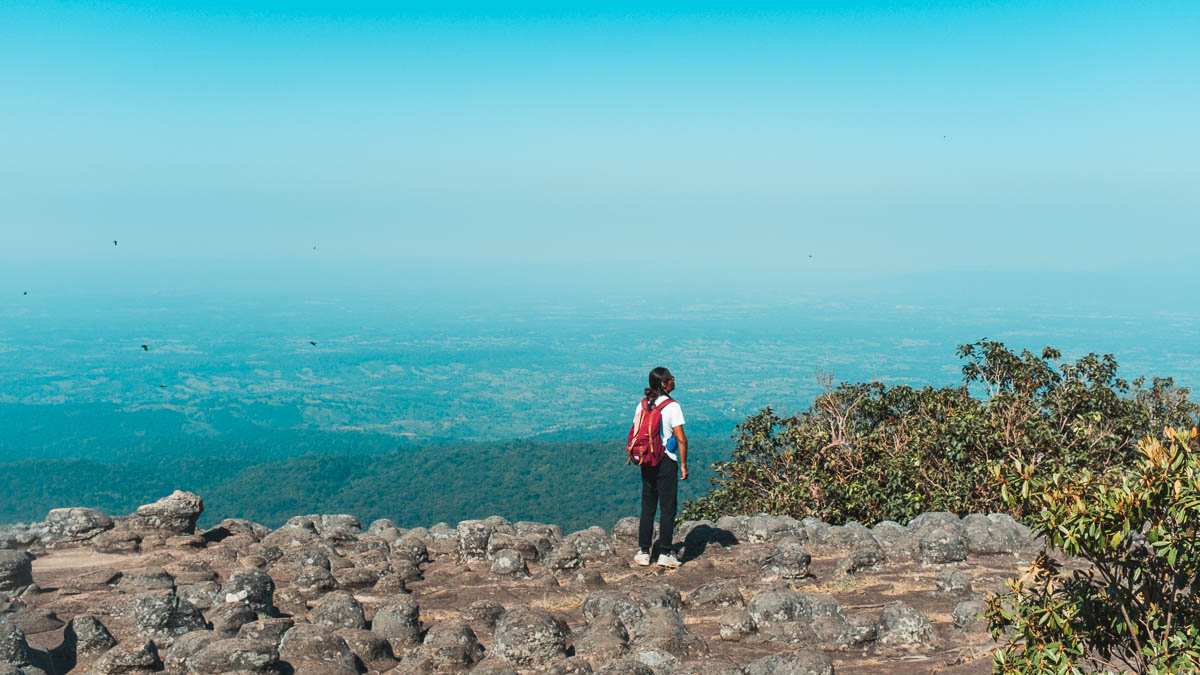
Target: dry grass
563,602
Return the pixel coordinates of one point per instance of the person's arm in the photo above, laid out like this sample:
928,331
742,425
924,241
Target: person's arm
681,439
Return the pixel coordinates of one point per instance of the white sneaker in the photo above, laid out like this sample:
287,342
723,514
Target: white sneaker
642,558
668,560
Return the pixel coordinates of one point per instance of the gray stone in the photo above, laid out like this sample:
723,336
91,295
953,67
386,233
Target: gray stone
509,563
455,636
661,662
941,545
268,630
310,643
410,548
162,616
129,658
399,622
176,513
625,667
371,648
735,624
16,573
969,615
775,605
117,540
235,655
473,537
336,610
144,579
228,618
953,581
788,559
603,639
593,544
205,595
802,662
663,629
185,646
483,615
253,587
562,559
530,636
612,603
649,593
74,525
903,626
84,639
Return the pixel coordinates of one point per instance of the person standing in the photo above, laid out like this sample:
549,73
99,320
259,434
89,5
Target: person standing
660,483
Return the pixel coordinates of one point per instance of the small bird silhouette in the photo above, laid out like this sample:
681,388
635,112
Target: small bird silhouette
145,348
312,343
25,293
162,386
114,242
314,248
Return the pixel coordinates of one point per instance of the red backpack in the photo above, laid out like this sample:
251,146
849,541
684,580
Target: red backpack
645,446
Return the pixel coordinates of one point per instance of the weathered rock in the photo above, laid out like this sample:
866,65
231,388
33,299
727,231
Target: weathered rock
235,655
587,577
268,630
942,545
735,624
612,603
483,615
145,579
593,544
74,525
563,558
93,580
410,548
253,587
191,571
953,581
495,665
661,662
84,639
120,539
14,648
371,648
355,577
787,560
185,646
34,620
649,593
473,537
399,622
602,640
228,618
802,662
625,667
509,563
310,643
16,573
176,513
455,635
205,595
774,605
903,626
129,658
503,542
663,629
530,636
968,615
162,616
313,582
338,610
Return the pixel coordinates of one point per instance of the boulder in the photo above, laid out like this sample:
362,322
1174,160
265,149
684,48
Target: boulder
338,610
953,581
593,544
735,624
788,559
144,579
84,639
14,648
625,667
372,649
509,563
968,615
253,587
602,640
228,618
455,635
267,630
235,655
313,582
473,537
129,658
120,539
205,595
801,662
941,545
612,603
661,628
16,573
410,548
903,626
530,636
34,620
563,558
399,622
661,662
162,616
176,513
307,643
649,593
483,615
778,605
74,526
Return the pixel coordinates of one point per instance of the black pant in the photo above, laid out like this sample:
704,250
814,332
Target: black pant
660,485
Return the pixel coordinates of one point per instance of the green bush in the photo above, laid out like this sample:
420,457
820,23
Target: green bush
869,452
1135,604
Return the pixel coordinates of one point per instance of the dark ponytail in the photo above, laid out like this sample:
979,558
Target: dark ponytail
658,380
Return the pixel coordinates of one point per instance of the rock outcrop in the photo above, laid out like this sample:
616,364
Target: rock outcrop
84,592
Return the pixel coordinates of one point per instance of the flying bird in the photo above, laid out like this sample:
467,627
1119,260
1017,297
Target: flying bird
162,386
25,293
114,242
145,348
312,343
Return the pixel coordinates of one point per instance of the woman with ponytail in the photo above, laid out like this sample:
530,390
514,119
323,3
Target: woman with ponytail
660,483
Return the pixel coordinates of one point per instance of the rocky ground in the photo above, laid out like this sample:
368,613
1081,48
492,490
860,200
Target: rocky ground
82,592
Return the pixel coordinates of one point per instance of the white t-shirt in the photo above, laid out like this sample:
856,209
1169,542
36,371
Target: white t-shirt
672,416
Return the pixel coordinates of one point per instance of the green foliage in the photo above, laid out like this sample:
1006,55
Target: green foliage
869,452
1136,604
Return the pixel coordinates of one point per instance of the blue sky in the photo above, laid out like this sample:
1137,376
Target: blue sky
879,138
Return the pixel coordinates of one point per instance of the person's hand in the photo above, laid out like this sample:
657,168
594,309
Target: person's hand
684,473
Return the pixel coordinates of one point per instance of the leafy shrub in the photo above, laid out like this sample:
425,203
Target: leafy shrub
869,452
1136,605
